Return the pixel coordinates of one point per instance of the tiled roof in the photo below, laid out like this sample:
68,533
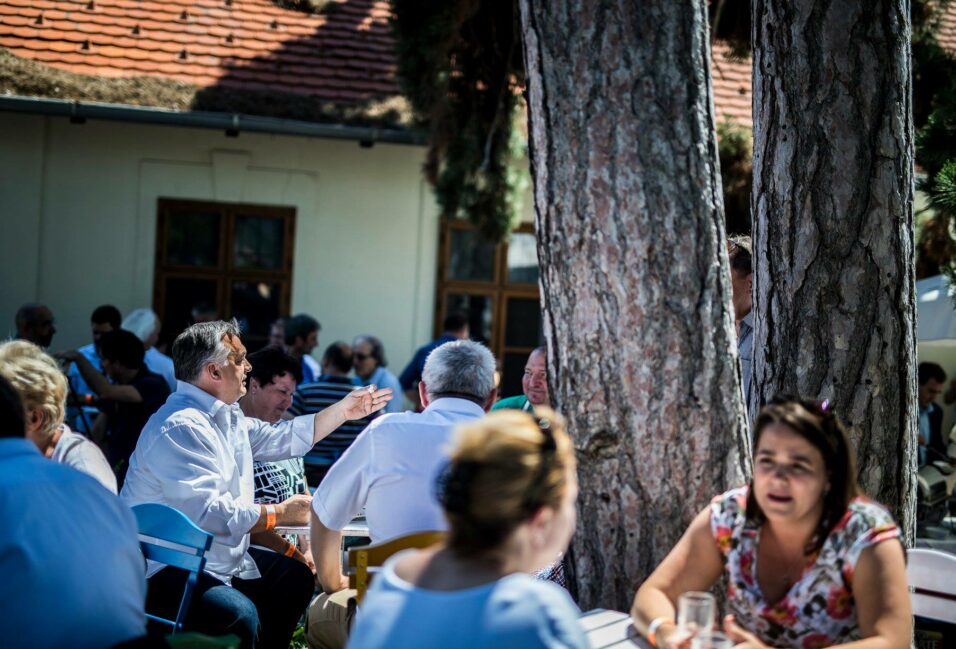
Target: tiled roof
946,35
732,88
343,54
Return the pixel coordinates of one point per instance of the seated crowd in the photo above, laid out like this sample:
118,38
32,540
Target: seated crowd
807,560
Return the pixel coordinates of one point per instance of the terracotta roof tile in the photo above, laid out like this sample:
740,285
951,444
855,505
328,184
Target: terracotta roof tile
343,54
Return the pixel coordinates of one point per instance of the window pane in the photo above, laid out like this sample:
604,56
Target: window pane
472,257
522,259
255,305
192,238
258,242
512,369
477,308
182,294
523,326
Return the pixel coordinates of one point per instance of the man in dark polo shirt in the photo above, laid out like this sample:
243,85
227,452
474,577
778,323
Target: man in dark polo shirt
128,401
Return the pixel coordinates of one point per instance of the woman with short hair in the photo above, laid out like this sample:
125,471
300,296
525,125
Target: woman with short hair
509,496
809,561
43,389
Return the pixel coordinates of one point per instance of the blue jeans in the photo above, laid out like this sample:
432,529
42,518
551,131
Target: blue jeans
262,613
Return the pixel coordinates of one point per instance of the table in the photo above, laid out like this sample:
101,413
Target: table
605,629
358,527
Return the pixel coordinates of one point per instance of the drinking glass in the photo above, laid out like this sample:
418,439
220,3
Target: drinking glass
711,640
695,612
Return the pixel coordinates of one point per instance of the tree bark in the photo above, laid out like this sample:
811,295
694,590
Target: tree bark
634,275
833,225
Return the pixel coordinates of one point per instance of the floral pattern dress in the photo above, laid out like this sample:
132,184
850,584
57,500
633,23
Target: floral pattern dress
818,610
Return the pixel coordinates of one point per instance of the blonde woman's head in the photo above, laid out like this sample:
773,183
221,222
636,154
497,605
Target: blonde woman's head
41,384
508,469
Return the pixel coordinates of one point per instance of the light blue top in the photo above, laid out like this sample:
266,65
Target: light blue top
517,611
924,432
80,387
382,378
159,363
70,560
745,346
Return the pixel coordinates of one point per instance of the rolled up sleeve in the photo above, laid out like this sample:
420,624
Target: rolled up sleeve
344,490
281,441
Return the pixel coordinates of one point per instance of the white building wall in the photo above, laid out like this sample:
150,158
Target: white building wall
78,206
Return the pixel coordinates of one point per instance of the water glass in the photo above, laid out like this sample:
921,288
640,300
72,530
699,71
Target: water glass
695,612
711,640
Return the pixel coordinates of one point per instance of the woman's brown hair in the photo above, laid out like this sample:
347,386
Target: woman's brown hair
503,469
816,423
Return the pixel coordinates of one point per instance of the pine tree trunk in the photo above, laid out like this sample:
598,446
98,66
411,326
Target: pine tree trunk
833,225
634,275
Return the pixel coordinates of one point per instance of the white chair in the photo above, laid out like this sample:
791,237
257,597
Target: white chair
932,581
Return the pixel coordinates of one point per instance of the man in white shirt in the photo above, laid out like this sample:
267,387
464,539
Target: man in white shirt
195,454
146,325
390,470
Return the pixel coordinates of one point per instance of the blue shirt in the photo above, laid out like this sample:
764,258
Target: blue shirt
517,611
73,573
80,387
382,378
412,373
925,432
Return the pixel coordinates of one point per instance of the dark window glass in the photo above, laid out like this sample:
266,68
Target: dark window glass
192,238
512,369
255,305
478,310
523,326
181,295
522,259
472,257
258,243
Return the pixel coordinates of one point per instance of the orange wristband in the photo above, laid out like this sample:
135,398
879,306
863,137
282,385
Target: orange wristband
289,550
652,628
270,517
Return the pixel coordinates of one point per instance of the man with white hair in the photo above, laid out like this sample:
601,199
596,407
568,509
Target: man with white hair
389,471
196,455
146,325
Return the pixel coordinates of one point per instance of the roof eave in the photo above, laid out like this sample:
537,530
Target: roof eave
232,123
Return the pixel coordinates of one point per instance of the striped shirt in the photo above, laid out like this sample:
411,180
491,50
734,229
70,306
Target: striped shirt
311,398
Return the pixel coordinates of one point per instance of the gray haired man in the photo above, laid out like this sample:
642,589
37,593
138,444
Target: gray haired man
195,454
390,471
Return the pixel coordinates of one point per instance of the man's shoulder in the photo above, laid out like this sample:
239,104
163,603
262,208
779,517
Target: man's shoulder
511,403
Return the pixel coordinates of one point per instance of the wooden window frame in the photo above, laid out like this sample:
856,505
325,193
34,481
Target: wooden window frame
498,288
225,273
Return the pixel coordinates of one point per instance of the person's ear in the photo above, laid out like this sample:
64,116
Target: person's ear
540,525
214,371
35,420
750,282
423,394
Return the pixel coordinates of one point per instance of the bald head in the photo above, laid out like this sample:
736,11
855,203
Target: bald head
35,323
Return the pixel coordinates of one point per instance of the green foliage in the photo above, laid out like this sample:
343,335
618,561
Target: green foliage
735,148
460,64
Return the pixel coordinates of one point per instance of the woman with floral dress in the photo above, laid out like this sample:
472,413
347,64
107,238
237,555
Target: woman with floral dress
809,561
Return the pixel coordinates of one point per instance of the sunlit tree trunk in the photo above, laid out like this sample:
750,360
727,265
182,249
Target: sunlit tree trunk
634,276
833,224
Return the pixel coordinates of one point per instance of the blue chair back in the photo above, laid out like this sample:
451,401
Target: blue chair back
188,550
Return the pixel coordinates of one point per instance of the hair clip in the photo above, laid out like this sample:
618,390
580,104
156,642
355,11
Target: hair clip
825,406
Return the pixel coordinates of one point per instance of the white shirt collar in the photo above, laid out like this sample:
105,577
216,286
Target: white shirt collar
206,402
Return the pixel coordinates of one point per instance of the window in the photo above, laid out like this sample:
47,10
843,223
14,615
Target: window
496,287
234,259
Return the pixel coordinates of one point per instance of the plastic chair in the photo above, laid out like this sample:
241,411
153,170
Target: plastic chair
370,556
932,582
168,537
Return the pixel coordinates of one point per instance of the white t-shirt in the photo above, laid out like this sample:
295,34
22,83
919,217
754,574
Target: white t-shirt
517,611
77,451
390,470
